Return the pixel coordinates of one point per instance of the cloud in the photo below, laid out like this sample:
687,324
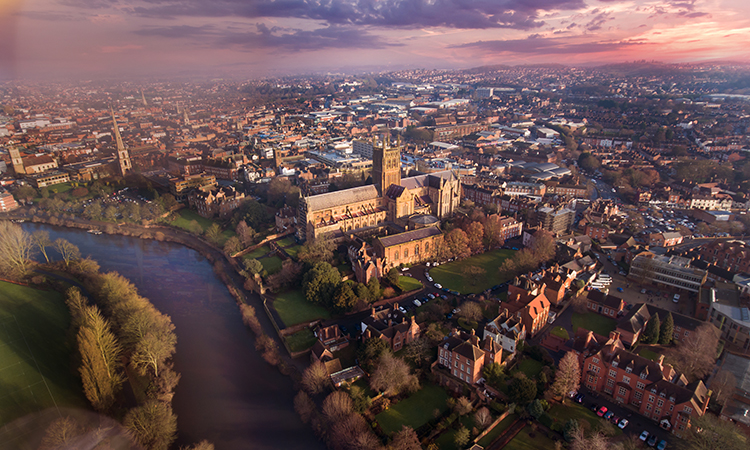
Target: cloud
548,46
263,37
463,14
120,48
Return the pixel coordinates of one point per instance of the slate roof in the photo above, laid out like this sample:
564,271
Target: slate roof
409,236
341,198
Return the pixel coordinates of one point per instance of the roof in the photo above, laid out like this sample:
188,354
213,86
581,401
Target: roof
408,236
341,198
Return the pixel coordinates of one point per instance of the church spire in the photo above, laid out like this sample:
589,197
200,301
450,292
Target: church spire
144,98
122,154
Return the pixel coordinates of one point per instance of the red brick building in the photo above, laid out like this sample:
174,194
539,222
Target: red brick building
733,255
390,325
598,231
654,389
604,304
526,300
465,356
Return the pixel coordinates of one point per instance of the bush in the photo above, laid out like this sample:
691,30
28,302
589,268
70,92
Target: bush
497,407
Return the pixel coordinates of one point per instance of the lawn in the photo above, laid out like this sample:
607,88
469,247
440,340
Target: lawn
272,264
185,216
301,340
289,240
646,353
447,440
595,322
451,275
408,284
497,431
293,308
414,411
560,332
293,250
257,253
531,367
35,358
523,441
562,413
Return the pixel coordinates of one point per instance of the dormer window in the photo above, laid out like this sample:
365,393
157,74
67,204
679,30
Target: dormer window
671,399
615,363
663,395
653,390
629,369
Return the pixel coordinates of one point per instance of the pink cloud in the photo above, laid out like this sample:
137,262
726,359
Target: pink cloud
120,48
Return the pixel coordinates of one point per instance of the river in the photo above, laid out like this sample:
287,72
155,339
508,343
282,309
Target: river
227,394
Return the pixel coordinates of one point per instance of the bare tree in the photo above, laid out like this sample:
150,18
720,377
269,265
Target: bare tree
483,418
202,445
152,424
596,441
567,377
406,439
708,432
723,385
471,311
69,252
15,249
41,240
695,356
304,406
337,405
315,379
392,376
462,406
351,432
61,433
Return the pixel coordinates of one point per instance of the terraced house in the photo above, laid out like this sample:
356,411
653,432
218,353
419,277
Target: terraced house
655,389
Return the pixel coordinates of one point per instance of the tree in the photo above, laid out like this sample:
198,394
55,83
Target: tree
202,445
457,244
392,276
336,406
536,409
68,251
570,429
15,249
41,240
392,376
462,437
651,333
696,354
419,351
320,283
100,356
61,433
369,353
194,227
315,379
521,389
317,250
374,290
110,214
543,248
352,432
406,439
232,245
152,424
361,400
587,161
245,234
567,377
253,266
596,441
25,192
473,273
493,237
483,418
93,211
304,406
213,233
666,331
471,310
475,235
493,373
463,406
708,432
154,349
723,386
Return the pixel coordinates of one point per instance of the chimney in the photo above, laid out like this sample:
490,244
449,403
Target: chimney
614,335
660,360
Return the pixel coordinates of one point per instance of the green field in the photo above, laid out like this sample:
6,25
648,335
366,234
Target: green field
562,413
272,264
452,276
414,411
293,250
285,242
646,353
560,332
301,340
257,253
408,284
523,441
447,440
531,367
592,321
293,308
498,430
185,216
35,357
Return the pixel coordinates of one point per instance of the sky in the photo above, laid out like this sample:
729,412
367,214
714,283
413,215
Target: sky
48,39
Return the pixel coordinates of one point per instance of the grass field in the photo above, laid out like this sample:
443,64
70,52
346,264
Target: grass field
301,340
497,431
523,441
592,321
646,353
293,308
531,367
452,276
560,332
414,411
285,242
185,216
272,264
293,250
408,284
35,370
562,413
447,440
257,253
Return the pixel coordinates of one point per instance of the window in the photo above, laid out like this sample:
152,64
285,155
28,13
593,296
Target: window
426,246
687,409
639,385
626,380
651,398
629,369
610,382
657,411
591,378
660,403
612,373
622,391
406,253
637,395
395,256
596,360
648,407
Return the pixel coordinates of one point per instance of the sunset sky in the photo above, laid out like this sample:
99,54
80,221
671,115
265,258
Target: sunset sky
100,38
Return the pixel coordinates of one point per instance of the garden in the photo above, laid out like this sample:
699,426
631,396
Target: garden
414,411
293,308
453,275
597,323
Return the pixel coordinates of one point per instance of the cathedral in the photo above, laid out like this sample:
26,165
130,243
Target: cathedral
389,199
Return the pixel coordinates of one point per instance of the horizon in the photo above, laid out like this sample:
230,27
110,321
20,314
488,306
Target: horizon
50,40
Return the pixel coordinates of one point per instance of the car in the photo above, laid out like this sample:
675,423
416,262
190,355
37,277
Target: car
651,440
427,264
608,415
676,298
404,269
594,407
602,411
643,436
615,419
401,308
429,278
579,398
438,285
449,316
623,423
662,445
643,291
619,289
432,296
417,303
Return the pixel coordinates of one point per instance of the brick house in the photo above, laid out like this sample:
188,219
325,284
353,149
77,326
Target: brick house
464,355
527,301
506,330
667,239
635,321
732,255
598,231
390,325
604,304
653,388
410,247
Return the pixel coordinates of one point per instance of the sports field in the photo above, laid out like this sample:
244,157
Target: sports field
35,357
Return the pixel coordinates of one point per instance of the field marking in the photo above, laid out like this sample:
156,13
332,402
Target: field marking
44,379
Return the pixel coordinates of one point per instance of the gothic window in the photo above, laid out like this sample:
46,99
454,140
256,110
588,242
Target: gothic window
395,256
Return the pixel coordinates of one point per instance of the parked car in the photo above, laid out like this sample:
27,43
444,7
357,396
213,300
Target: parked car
615,419
623,423
417,303
676,298
594,407
438,285
608,415
432,296
579,398
662,445
602,411
651,440
643,436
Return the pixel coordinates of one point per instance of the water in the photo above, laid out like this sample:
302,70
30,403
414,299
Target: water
227,393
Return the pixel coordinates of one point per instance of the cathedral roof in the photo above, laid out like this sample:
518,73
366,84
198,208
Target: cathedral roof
342,198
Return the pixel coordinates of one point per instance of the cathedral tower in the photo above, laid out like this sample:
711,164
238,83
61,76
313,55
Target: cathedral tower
386,165
122,154
15,158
